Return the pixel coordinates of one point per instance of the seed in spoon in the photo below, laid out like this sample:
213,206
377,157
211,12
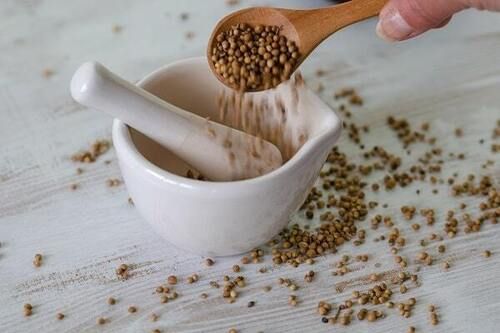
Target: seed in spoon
253,58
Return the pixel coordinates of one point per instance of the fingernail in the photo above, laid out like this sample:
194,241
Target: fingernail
382,34
392,26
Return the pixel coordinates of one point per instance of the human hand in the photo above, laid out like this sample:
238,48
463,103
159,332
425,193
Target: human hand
405,19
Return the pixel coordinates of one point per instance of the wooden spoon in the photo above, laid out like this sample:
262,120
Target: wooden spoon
307,28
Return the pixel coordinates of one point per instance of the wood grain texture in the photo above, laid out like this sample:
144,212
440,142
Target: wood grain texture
449,77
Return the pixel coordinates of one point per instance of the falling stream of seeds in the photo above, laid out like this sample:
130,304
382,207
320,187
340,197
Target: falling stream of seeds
267,116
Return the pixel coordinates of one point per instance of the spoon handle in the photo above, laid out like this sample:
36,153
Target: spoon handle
354,11
336,17
315,25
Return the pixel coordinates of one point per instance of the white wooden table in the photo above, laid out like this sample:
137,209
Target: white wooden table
449,77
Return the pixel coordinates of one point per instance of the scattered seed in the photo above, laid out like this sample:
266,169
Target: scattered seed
97,149
113,182
122,271
116,29
37,261
172,280
48,73
192,279
28,309
371,316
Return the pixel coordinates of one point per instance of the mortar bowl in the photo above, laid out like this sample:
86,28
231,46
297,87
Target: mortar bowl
221,218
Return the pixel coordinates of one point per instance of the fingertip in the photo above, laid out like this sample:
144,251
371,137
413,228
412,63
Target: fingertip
381,33
392,26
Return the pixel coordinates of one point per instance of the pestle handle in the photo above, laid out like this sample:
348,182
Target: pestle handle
183,133
94,86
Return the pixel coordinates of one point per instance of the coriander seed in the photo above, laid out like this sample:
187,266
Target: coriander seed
122,271
28,309
37,261
172,280
253,57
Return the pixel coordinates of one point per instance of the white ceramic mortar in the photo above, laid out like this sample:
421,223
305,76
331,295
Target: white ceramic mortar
218,218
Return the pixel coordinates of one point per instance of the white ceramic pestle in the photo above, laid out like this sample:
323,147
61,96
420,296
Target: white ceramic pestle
218,152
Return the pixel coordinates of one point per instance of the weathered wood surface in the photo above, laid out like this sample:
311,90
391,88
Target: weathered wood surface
450,78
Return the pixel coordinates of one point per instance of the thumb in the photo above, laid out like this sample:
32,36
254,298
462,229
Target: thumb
404,19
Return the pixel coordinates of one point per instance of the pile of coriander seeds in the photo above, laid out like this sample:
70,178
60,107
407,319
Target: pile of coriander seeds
253,58
342,208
